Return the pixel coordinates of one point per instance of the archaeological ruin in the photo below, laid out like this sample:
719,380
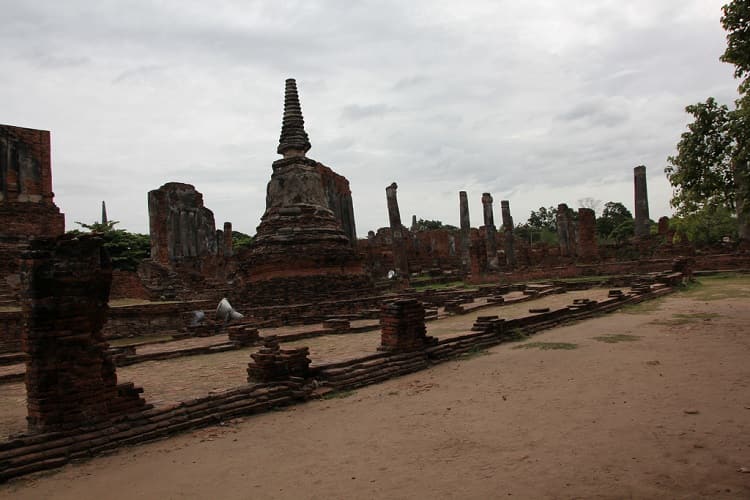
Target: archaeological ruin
314,310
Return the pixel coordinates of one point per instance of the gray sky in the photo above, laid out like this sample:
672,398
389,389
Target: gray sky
535,101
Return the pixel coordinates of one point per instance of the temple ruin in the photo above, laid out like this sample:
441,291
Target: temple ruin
304,247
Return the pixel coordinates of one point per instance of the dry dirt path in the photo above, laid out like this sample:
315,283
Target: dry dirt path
664,412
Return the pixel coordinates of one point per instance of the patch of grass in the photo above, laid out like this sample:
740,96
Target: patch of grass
338,394
719,287
441,286
546,346
516,335
617,337
684,319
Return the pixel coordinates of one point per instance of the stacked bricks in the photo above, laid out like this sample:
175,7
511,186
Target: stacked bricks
70,377
273,364
338,325
403,327
243,335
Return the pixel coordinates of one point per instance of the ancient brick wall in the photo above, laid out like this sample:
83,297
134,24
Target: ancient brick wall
27,208
339,198
127,285
70,378
180,226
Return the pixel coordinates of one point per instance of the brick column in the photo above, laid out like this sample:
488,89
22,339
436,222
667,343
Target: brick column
403,327
465,229
642,228
587,247
565,231
228,243
398,238
70,377
490,231
510,253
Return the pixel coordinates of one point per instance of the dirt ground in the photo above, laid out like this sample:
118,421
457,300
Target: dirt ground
653,402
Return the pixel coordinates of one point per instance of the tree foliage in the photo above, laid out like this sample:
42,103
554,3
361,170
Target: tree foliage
430,225
613,215
708,226
701,172
544,218
240,240
125,249
736,22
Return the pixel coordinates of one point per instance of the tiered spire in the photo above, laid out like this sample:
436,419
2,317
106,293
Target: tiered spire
294,140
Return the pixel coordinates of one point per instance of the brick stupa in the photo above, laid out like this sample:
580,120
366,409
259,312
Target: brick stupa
304,249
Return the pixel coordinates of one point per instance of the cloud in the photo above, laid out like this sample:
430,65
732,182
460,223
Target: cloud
538,102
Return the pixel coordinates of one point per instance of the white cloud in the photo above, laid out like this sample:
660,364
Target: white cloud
540,102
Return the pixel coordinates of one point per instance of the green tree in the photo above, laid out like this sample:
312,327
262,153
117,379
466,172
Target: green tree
544,218
613,215
736,22
708,226
240,240
125,249
430,225
701,173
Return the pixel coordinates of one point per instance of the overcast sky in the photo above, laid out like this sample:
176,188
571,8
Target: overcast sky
538,102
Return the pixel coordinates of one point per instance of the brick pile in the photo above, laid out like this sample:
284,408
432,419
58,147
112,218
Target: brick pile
403,327
243,335
273,364
70,376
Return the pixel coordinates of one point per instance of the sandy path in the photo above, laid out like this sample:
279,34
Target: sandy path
603,420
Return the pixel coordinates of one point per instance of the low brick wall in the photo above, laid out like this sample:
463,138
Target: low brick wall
150,319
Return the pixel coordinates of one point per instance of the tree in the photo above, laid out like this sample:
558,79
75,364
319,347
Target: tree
544,218
613,215
701,173
240,240
125,249
708,226
736,22
430,225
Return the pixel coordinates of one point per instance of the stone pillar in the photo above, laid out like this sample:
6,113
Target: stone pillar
413,223
642,228
70,376
228,242
465,223
104,213
489,230
587,247
397,232
510,253
565,231
402,326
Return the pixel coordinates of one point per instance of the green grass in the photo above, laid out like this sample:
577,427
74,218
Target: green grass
585,279
719,287
546,346
338,394
615,338
685,319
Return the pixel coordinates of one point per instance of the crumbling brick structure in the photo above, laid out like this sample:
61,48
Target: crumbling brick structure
586,247
490,231
508,238
27,208
566,232
465,223
70,377
301,252
403,327
180,226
